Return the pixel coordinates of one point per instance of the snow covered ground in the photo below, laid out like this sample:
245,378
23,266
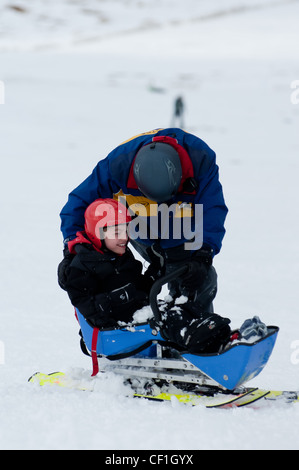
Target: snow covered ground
81,77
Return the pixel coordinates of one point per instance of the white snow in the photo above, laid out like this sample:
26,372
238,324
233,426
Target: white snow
81,77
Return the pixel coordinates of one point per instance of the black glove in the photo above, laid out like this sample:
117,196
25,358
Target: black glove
156,268
102,318
110,305
198,268
63,268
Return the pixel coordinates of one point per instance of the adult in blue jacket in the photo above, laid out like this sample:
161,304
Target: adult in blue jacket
169,180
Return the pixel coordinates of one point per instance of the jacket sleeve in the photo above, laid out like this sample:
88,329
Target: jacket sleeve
209,193
96,308
95,186
214,213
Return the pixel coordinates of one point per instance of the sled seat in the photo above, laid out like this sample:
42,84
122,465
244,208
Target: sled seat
118,343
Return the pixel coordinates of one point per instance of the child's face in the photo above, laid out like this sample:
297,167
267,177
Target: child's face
116,238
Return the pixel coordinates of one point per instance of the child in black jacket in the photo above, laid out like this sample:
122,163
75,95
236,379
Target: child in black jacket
104,281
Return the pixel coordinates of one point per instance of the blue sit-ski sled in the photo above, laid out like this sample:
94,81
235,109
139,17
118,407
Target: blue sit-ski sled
145,348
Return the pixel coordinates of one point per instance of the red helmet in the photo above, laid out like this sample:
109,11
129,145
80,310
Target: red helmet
104,213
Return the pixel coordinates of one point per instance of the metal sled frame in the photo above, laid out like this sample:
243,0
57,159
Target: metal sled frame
229,369
164,369
140,351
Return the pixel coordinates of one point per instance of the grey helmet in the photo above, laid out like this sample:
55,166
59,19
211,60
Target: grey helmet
158,171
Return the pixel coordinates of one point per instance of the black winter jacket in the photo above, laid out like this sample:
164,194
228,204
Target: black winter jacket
106,287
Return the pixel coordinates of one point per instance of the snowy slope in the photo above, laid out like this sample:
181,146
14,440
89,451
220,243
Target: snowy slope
77,83
40,25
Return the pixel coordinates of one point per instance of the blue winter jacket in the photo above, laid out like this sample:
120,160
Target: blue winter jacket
113,177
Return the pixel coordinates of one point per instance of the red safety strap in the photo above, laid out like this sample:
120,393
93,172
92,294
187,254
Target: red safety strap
94,343
76,315
94,356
